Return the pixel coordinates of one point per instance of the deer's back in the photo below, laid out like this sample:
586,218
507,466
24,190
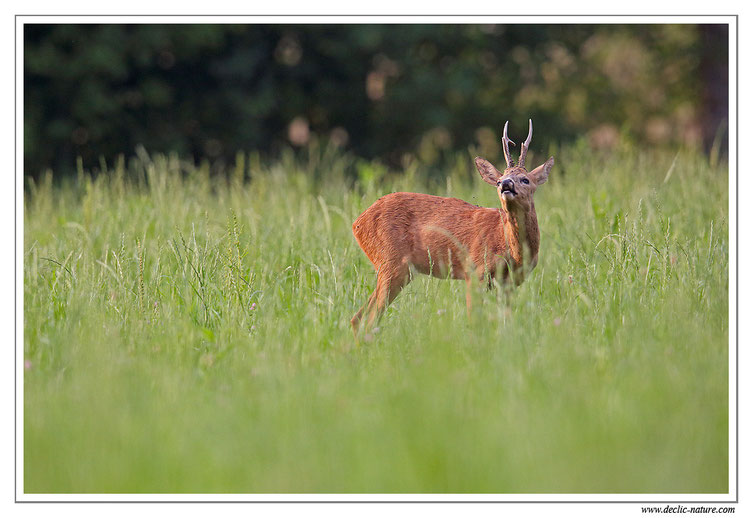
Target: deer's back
431,232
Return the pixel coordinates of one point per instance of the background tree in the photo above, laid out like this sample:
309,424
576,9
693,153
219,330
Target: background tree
99,90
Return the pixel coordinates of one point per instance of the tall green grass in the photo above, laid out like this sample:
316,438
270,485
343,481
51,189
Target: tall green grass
189,332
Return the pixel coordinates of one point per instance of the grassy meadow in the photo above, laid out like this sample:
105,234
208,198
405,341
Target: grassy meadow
187,331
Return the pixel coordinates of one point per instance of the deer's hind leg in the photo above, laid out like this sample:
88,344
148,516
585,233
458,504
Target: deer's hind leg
391,279
355,322
468,296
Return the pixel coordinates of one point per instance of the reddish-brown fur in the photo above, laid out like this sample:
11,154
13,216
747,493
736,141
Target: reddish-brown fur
448,237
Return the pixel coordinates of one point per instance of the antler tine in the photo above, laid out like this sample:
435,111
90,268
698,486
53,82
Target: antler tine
524,147
505,146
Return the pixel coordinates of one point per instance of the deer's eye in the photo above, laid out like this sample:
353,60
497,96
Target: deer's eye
524,180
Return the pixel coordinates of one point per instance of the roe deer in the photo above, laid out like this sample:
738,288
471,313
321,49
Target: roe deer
439,236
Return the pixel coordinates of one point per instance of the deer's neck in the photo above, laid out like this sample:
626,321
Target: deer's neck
520,230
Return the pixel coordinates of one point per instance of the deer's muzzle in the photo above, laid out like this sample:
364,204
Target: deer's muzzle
508,187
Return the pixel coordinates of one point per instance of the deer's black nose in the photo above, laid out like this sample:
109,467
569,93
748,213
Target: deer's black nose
507,185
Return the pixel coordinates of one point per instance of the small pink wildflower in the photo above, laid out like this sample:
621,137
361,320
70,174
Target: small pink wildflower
253,306
557,321
27,364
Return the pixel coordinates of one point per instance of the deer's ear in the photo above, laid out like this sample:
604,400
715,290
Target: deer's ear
488,172
541,173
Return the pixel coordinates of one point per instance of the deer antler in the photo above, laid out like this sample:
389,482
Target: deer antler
505,146
524,146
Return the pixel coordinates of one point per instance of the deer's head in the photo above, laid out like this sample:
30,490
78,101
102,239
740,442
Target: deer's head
515,185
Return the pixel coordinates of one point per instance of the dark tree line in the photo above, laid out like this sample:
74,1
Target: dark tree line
382,91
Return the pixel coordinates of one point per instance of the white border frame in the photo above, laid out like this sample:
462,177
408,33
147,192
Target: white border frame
649,499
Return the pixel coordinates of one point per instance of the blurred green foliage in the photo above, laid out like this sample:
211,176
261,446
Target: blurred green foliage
381,91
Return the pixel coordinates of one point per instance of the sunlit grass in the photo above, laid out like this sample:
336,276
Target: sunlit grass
188,332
